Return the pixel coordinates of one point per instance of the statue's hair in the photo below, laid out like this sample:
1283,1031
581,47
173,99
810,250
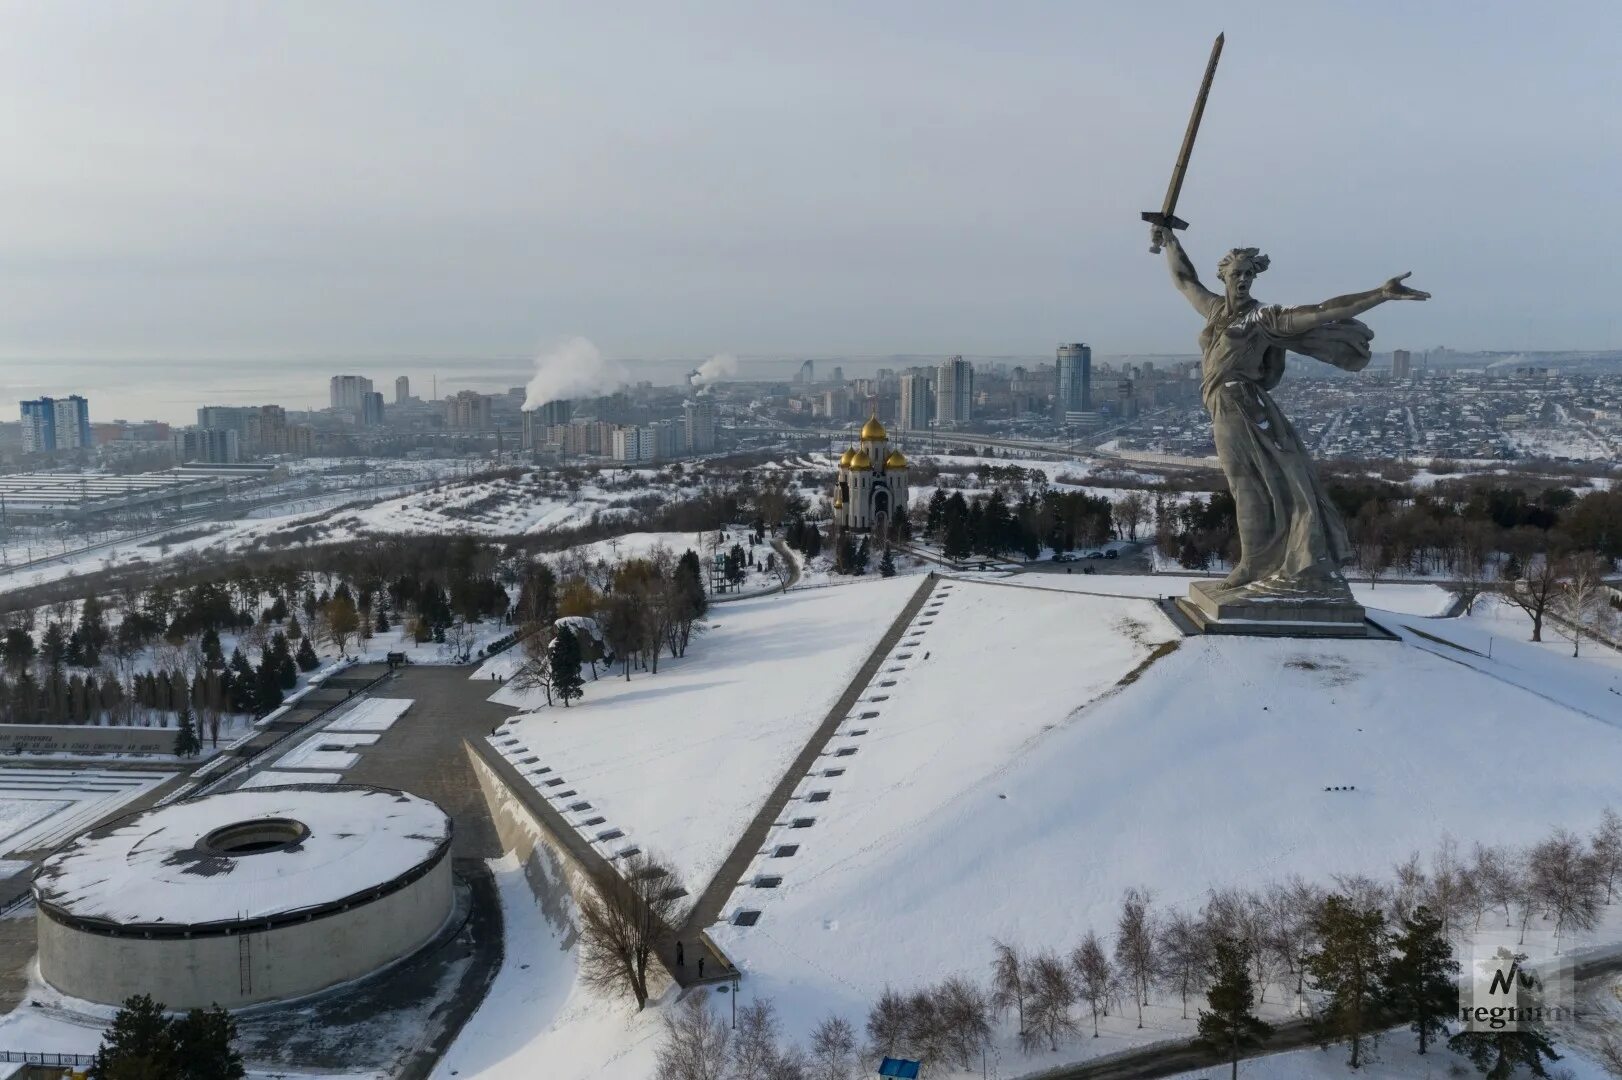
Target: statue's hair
1237,256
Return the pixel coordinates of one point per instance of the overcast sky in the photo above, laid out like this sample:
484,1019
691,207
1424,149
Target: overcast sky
236,179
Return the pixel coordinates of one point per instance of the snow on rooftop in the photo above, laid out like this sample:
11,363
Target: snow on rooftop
983,801
680,761
156,867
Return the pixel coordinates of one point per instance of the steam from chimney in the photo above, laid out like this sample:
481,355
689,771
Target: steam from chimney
718,367
573,368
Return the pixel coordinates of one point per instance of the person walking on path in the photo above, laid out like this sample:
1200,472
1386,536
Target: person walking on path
681,961
700,967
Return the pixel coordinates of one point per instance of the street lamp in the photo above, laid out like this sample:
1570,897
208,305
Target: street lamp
733,991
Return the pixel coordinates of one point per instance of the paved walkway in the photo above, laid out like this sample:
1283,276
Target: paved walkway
707,909
423,753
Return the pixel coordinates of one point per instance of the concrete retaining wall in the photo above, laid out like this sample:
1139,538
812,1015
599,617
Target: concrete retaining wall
248,968
556,875
84,739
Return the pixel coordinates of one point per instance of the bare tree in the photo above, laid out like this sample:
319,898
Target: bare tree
833,1049
696,1040
1185,954
1095,979
1452,889
1607,850
625,918
1581,598
1566,880
887,1023
535,673
964,1017
1008,990
1130,511
1053,994
1409,889
1497,874
1535,591
1135,946
1291,908
754,1048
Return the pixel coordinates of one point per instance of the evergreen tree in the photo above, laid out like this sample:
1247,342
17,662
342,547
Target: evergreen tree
936,513
187,744
306,658
887,563
53,645
565,664
1497,1054
1348,968
18,648
213,657
1229,1026
863,554
203,1039
93,635
294,629
267,686
138,1045
1422,980
382,620
955,542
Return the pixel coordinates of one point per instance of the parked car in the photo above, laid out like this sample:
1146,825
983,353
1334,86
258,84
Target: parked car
1064,556
1095,554
1112,554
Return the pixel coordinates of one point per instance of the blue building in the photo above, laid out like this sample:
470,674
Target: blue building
56,424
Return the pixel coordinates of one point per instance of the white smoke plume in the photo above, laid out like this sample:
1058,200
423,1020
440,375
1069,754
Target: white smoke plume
573,368
718,367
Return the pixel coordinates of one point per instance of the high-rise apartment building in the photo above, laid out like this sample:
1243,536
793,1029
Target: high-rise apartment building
213,446
698,419
371,409
347,391
469,410
954,392
402,390
915,401
1402,365
1075,390
807,375
56,424
634,444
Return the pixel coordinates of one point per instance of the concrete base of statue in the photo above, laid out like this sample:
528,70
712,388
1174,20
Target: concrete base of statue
1327,610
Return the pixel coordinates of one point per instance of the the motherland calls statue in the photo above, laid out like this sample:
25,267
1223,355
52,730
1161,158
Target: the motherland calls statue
1291,539
1292,542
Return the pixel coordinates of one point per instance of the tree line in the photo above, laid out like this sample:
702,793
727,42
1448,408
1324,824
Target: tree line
1355,958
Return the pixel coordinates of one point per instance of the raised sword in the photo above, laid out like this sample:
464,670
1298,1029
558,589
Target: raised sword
1166,216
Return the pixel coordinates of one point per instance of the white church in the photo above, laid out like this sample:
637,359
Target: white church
872,484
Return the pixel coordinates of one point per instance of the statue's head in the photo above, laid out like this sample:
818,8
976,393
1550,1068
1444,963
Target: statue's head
1238,270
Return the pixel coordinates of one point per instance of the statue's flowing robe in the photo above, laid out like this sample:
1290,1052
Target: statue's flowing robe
1291,537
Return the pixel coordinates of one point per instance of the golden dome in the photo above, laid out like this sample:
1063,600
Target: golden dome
838,505
845,458
896,460
861,460
873,431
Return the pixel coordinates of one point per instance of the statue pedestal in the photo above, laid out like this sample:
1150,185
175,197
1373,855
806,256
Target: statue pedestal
1216,610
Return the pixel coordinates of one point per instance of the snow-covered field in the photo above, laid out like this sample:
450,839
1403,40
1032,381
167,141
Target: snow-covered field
973,810
679,761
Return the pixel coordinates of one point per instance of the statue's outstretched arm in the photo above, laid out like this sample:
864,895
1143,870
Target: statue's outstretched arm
1183,274
1301,319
